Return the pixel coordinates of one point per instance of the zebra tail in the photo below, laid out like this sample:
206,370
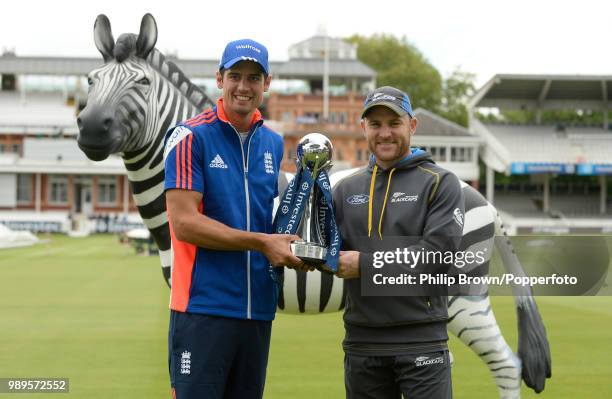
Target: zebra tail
533,346
166,274
165,258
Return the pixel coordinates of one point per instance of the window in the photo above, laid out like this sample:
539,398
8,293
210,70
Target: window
461,154
107,190
469,154
58,189
290,154
441,154
437,153
342,117
359,154
286,116
455,154
24,188
16,148
1,147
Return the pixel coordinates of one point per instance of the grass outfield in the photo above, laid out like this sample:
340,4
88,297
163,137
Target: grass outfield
93,311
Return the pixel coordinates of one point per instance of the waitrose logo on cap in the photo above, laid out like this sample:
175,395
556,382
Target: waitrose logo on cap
247,47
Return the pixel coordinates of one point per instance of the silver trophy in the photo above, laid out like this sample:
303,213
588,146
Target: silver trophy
314,154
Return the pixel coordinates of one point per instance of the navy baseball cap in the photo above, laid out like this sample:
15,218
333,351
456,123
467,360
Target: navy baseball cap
245,50
390,97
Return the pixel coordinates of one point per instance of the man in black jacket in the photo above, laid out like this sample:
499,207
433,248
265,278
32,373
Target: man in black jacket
401,218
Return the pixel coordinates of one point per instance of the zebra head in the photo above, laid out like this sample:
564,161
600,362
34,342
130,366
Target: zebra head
119,101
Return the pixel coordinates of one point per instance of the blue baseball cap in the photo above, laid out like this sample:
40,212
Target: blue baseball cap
245,50
390,97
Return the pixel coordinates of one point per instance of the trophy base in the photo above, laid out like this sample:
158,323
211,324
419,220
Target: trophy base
312,254
309,252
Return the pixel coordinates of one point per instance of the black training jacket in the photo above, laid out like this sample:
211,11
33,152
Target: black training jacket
415,205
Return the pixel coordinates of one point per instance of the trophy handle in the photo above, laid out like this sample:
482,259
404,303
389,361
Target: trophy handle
309,228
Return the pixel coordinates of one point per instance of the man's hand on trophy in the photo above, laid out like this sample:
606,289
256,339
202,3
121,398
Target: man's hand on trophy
348,264
276,247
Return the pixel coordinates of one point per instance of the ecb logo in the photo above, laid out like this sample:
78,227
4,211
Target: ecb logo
285,209
304,186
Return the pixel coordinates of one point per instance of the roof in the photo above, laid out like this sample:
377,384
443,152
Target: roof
315,47
430,124
533,92
431,128
292,69
307,68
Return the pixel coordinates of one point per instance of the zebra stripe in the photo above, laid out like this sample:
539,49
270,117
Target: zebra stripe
474,323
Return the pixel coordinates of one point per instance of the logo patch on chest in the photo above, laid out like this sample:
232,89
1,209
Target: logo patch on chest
358,199
217,162
268,163
403,197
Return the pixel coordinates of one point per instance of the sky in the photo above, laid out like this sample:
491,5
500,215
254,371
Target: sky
481,37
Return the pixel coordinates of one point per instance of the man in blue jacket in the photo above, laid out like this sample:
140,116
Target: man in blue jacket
221,172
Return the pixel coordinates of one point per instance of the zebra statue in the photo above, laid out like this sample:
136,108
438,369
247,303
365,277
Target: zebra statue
137,95
133,99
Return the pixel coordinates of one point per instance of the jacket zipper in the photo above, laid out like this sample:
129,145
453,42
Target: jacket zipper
245,168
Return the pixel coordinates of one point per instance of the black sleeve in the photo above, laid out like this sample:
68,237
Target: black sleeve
337,204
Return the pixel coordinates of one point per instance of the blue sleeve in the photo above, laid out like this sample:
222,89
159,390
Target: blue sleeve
183,154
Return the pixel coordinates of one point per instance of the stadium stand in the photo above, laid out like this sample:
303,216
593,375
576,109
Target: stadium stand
551,176
36,113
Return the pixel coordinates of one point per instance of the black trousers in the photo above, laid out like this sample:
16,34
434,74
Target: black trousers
214,357
418,376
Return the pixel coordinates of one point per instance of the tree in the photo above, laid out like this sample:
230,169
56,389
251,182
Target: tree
399,64
456,90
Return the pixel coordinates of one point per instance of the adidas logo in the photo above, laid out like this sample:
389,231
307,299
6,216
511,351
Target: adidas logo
217,162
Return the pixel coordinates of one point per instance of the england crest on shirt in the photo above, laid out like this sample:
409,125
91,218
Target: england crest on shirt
268,164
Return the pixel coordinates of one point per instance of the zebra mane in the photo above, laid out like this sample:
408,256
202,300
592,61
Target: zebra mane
175,75
126,46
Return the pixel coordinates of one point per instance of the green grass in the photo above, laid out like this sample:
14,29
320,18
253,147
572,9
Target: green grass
93,311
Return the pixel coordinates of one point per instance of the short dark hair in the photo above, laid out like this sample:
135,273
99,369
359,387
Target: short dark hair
222,71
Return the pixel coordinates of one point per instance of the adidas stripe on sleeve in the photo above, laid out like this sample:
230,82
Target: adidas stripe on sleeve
183,160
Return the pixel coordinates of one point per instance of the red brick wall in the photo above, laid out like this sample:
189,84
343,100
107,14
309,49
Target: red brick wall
346,137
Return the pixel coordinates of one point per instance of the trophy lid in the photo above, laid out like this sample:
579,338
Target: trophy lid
314,151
